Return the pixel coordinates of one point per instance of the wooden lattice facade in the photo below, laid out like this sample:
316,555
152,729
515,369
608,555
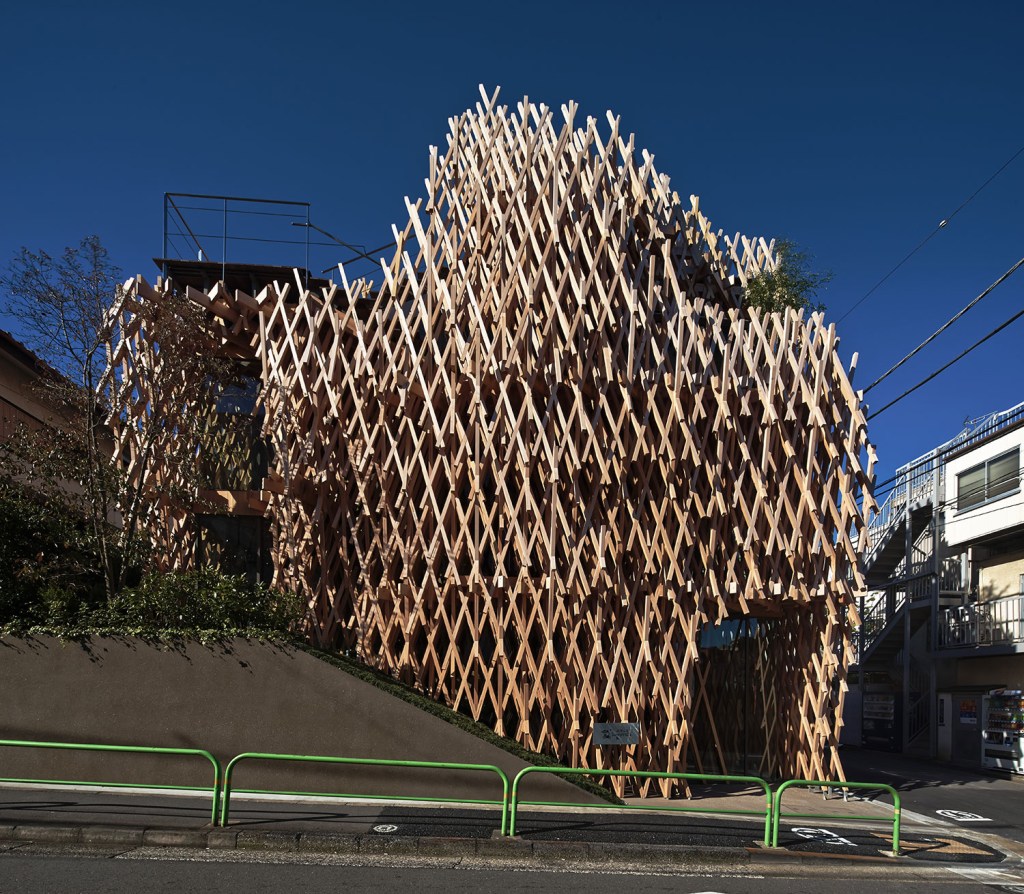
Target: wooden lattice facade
532,468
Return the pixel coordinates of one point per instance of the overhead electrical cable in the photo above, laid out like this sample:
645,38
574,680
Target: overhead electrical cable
956,359
1001,480
899,478
947,324
941,225
969,436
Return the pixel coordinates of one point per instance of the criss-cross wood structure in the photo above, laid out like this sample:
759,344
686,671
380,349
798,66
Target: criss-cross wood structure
532,469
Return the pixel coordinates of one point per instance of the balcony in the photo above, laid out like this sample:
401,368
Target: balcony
996,622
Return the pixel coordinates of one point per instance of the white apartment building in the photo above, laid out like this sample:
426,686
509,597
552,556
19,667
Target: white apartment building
942,638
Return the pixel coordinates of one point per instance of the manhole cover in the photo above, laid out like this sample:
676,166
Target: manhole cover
385,828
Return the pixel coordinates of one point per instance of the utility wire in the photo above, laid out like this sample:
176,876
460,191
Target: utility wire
955,503
941,224
956,359
955,447
946,325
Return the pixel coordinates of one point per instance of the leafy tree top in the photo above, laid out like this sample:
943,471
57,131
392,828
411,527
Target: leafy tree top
792,282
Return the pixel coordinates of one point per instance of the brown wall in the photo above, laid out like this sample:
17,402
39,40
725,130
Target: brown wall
990,673
243,697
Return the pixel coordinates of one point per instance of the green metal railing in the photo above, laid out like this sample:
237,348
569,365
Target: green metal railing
510,794
514,802
817,783
215,790
366,762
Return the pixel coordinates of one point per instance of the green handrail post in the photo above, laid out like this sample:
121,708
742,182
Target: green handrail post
813,783
648,774
360,761
134,749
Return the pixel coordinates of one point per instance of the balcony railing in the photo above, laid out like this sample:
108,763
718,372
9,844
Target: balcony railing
915,480
995,622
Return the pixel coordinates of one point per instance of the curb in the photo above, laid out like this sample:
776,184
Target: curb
541,852
515,849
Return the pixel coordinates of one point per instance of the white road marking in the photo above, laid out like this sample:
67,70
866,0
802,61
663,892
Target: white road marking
982,874
823,835
962,816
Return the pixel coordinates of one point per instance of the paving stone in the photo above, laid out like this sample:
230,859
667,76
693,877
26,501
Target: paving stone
222,838
174,838
110,835
49,834
268,841
561,850
387,844
447,847
505,848
328,842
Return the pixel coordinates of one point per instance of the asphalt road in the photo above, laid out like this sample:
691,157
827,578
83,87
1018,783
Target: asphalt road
964,795
144,872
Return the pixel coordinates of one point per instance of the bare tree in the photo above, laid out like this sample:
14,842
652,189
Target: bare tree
115,411
61,304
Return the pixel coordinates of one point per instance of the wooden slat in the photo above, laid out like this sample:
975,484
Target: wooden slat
555,449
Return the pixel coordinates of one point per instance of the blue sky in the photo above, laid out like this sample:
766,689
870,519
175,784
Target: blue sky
852,129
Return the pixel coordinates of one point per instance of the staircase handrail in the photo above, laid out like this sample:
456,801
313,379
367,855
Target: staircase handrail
876,618
890,512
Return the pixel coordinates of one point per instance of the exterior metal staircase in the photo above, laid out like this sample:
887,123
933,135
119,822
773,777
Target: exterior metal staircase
911,581
883,634
918,485
900,587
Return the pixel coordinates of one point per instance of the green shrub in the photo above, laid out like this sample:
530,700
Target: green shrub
47,564
203,600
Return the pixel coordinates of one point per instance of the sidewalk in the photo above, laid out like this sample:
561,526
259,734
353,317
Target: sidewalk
107,818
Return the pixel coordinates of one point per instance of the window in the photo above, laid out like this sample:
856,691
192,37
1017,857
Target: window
236,544
234,455
992,479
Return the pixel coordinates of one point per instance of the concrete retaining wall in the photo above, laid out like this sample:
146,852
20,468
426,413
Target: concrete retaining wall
246,696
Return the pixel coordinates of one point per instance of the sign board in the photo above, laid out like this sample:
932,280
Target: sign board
879,706
616,733
968,712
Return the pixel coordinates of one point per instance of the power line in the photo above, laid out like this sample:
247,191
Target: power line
952,447
947,324
988,511
941,225
1001,480
956,359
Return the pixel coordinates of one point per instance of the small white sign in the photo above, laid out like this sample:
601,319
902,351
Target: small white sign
616,733
385,828
962,816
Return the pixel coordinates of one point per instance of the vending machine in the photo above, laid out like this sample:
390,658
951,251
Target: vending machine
1001,742
881,725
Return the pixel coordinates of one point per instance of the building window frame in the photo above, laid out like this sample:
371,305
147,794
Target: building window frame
987,487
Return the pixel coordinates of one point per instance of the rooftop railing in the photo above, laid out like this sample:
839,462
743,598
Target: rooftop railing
915,481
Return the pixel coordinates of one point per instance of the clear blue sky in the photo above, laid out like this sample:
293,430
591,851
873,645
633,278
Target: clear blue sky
852,129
